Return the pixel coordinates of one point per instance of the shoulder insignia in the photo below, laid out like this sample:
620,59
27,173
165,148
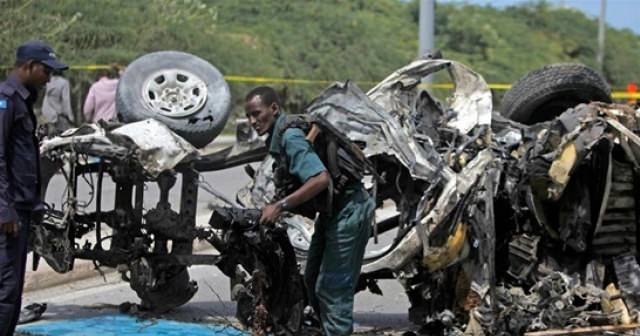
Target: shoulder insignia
6,89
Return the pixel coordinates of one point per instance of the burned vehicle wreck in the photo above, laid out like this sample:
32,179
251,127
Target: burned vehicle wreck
491,225
496,226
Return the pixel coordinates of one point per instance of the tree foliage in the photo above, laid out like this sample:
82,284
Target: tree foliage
319,40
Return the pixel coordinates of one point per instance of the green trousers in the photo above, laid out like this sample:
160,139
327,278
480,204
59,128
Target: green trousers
334,261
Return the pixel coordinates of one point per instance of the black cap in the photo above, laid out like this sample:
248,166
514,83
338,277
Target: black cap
41,52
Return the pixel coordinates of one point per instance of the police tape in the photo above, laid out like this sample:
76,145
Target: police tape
90,67
447,86
504,87
296,81
625,95
72,67
270,80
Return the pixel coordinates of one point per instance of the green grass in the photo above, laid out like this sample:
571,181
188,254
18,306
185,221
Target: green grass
317,40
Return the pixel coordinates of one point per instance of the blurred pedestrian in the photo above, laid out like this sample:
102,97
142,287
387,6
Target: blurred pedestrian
100,103
56,105
19,170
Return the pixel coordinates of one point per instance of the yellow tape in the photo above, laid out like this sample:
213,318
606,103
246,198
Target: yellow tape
73,67
272,80
249,79
625,95
90,67
450,86
500,86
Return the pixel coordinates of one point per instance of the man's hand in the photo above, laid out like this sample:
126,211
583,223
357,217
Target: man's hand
270,214
10,229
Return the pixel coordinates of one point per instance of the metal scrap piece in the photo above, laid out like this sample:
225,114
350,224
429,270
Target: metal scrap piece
471,102
523,250
616,232
562,166
574,212
160,149
349,110
32,312
452,193
594,274
613,303
442,256
555,301
154,145
628,275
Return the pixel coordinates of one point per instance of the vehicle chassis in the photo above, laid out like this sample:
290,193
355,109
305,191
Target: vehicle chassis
150,249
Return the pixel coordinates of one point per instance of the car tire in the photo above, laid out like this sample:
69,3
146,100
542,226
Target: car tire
175,290
545,93
183,91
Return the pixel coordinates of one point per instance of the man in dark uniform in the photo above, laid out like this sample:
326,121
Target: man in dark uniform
19,170
339,240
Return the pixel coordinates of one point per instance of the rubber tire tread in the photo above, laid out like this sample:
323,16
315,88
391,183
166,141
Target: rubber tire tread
556,87
200,128
171,295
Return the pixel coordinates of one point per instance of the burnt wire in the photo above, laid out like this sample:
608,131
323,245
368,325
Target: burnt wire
98,267
398,181
206,186
63,202
91,185
68,206
224,306
66,198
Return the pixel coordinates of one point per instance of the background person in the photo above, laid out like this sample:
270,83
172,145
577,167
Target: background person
19,170
100,103
56,105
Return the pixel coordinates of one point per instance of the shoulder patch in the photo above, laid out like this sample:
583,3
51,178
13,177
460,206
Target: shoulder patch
6,90
3,103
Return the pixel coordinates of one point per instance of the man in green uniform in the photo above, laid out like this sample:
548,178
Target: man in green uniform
338,243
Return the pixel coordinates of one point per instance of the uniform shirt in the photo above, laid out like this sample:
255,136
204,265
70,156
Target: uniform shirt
303,161
19,157
57,100
101,100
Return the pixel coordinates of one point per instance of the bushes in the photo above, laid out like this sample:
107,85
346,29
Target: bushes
321,40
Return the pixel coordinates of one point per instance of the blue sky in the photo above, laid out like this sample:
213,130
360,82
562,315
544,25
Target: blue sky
619,13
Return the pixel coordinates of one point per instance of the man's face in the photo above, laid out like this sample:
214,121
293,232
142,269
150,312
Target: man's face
39,74
261,117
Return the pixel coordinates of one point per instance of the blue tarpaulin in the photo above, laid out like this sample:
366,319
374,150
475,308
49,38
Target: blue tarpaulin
124,325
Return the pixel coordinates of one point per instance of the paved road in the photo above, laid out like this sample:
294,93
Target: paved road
211,304
98,296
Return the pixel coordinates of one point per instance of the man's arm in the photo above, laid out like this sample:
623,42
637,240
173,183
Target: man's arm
8,215
307,191
304,164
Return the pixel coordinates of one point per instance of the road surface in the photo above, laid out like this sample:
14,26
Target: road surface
98,296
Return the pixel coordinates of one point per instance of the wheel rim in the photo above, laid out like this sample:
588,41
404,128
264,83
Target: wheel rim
174,93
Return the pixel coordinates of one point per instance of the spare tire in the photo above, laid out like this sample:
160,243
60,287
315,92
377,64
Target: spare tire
181,90
545,93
